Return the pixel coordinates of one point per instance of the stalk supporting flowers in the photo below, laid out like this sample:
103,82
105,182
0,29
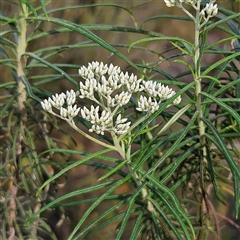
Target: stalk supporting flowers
201,18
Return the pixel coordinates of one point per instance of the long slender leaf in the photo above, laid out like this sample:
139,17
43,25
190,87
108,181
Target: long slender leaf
110,210
90,156
217,140
167,220
224,106
171,39
173,205
31,8
5,108
135,230
43,4
69,195
174,147
53,66
218,63
85,32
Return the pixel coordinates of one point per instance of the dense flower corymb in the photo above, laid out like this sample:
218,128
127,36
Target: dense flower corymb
110,90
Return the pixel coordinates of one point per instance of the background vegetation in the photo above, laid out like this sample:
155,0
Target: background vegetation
41,55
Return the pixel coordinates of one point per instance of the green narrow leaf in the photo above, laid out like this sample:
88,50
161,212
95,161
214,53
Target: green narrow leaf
218,63
90,156
129,210
157,227
91,208
102,225
171,39
224,106
174,147
69,195
29,89
221,22
43,4
167,220
174,118
173,204
5,108
114,170
111,210
85,32
216,139
167,16
219,143
31,8
125,219
135,229
103,197
53,66
212,175
227,86
174,166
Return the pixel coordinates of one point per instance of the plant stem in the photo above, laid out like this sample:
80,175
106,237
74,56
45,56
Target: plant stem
73,125
22,117
197,64
126,155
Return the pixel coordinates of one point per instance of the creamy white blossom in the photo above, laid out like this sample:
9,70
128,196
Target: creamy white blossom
109,90
170,3
210,10
58,100
177,100
122,98
72,111
70,97
87,88
100,121
46,105
158,90
147,105
121,125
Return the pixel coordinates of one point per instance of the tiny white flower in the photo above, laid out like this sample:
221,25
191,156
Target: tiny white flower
123,98
120,120
85,113
72,111
215,10
147,105
170,3
121,127
63,112
46,105
111,102
58,100
70,97
124,77
177,100
210,10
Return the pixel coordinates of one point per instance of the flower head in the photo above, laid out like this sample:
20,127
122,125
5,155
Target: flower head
58,100
110,90
210,10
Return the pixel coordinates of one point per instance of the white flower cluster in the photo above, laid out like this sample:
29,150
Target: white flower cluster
110,89
58,102
210,10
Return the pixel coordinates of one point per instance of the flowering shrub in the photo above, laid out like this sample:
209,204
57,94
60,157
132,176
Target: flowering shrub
168,162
